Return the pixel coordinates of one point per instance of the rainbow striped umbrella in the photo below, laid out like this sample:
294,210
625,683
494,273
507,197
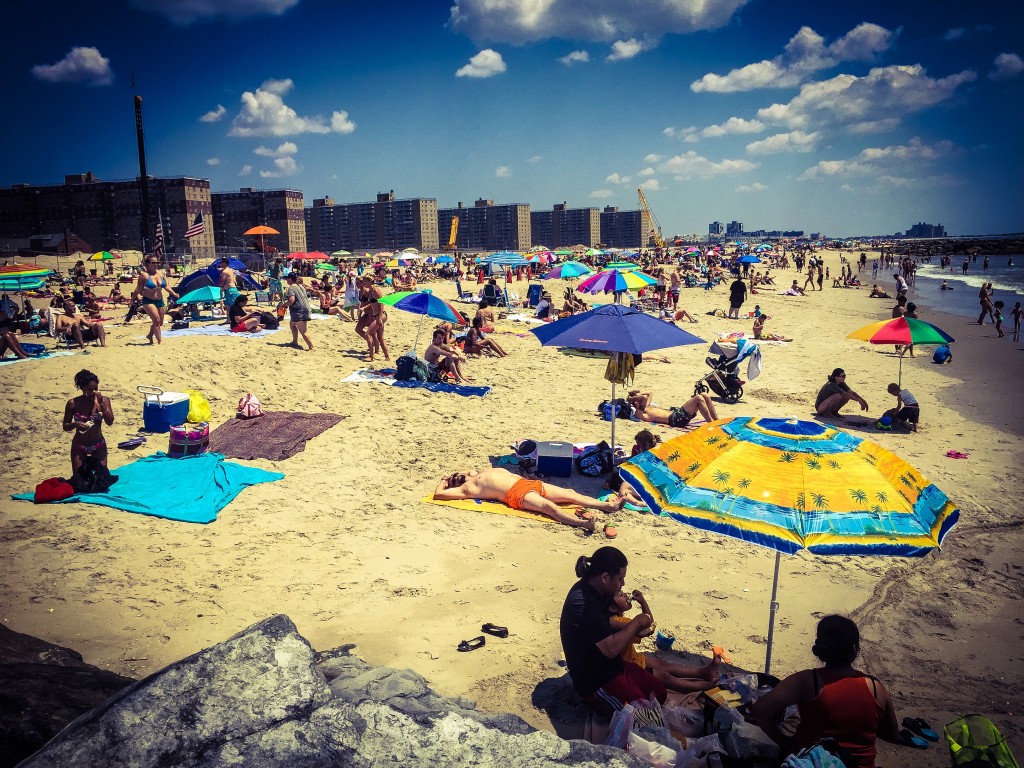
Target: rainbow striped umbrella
789,485
425,304
902,331
615,281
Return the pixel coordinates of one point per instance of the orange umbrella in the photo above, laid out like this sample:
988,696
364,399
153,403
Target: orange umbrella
262,229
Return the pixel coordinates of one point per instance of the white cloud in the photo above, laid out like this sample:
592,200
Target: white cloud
246,170
502,172
911,158
954,34
214,114
627,49
652,158
286,148
1007,66
652,185
689,134
535,159
186,11
794,141
80,65
893,91
575,57
264,113
757,186
213,161
487,63
646,172
524,21
614,178
805,54
286,166
691,165
734,125
601,193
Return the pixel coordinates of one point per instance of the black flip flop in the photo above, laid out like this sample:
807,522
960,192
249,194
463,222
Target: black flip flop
472,645
909,739
921,728
494,629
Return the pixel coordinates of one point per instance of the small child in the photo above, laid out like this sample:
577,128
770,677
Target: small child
675,677
644,440
907,412
1016,314
999,318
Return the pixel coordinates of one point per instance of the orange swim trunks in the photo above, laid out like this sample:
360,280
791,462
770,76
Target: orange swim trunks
517,493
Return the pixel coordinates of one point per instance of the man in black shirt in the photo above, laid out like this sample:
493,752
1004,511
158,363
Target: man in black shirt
737,294
593,651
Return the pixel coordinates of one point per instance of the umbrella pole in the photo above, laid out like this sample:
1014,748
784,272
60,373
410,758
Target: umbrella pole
615,417
416,343
899,379
771,614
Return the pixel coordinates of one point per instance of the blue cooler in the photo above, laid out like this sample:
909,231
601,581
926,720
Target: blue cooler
163,410
554,459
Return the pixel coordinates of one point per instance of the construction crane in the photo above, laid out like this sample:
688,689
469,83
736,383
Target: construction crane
453,234
655,234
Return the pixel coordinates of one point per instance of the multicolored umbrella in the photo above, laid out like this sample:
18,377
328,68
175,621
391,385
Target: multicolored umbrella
101,256
613,280
568,269
788,485
425,304
902,331
340,254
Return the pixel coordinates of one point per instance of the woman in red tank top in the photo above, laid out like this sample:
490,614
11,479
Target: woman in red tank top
835,701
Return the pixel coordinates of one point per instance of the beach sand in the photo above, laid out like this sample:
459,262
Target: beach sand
345,547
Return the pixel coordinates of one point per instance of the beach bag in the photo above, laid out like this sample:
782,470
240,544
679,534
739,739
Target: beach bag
92,477
198,407
596,460
975,740
249,407
53,489
269,320
405,368
179,325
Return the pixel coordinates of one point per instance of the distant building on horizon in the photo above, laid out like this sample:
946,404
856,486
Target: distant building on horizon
385,223
626,229
716,228
566,226
234,213
734,229
488,227
108,214
926,230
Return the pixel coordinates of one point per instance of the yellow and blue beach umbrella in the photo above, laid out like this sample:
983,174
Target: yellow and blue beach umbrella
789,485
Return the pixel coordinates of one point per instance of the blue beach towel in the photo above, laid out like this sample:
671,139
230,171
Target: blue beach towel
191,489
466,390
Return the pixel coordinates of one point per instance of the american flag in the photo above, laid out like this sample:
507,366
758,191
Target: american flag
197,228
158,248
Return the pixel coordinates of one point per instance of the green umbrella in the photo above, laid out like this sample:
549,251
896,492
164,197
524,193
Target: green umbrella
327,267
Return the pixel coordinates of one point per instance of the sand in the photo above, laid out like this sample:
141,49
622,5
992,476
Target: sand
344,546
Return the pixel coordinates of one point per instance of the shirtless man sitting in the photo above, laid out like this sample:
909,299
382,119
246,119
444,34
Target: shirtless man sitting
674,417
497,484
440,356
74,325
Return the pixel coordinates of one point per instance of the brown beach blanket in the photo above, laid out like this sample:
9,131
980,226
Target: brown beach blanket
275,435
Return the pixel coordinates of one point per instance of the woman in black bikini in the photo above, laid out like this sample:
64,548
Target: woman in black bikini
366,298
84,415
151,286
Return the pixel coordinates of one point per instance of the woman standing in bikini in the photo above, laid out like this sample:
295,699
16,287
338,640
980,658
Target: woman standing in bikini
151,286
363,323
84,415
378,317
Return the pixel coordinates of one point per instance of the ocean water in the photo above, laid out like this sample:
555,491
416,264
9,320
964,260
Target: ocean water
1007,285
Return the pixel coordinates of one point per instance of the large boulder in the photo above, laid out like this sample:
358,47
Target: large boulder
43,687
262,698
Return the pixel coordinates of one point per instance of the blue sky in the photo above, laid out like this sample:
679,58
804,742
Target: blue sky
844,118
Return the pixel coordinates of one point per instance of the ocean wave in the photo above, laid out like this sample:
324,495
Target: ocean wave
1011,280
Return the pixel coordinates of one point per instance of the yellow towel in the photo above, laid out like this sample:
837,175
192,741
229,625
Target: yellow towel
477,505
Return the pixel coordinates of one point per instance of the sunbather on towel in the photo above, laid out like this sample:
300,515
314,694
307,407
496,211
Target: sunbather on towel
674,417
497,484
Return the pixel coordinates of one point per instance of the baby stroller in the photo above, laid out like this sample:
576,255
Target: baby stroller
724,379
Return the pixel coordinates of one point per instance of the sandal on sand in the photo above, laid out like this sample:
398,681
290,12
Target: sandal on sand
957,454
131,443
920,727
908,739
610,531
494,629
585,514
472,645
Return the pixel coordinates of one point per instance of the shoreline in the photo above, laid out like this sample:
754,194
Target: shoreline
343,545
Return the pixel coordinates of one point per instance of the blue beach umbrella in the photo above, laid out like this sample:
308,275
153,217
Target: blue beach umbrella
788,485
613,328
426,305
202,295
750,259
568,269
444,259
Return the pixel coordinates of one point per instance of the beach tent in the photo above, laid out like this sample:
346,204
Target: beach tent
211,276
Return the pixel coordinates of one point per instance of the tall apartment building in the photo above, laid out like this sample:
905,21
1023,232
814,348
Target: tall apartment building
488,227
236,212
385,223
716,228
625,229
566,226
108,214
926,230
734,229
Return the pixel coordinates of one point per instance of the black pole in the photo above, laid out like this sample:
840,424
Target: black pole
143,176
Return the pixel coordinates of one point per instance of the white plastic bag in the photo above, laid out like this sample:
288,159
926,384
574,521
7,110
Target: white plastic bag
688,721
697,749
748,742
620,726
658,755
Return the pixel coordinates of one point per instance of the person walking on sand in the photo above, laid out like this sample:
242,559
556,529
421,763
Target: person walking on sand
737,295
835,394
228,283
298,310
1016,314
498,484
150,287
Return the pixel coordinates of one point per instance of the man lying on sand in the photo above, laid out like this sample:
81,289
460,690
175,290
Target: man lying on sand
497,484
674,417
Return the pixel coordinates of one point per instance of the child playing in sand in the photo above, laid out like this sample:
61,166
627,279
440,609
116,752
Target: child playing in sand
675,677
